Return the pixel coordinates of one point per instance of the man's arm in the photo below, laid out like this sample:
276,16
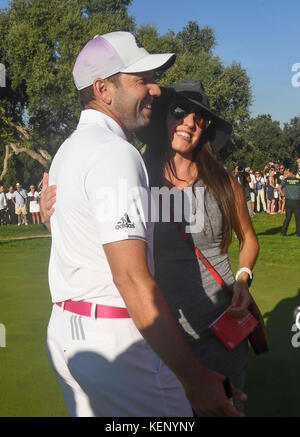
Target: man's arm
151,315
280,189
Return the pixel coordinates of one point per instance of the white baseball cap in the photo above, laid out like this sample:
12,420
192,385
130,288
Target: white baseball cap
115,52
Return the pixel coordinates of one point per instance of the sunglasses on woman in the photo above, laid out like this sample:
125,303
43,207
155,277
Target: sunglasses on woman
180,110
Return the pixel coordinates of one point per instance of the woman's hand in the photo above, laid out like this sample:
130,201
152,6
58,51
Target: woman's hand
241,299
249,249
48,198
208,397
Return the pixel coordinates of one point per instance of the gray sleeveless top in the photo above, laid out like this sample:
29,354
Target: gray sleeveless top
193,295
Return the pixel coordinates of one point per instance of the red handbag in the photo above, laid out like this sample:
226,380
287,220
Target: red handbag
258,337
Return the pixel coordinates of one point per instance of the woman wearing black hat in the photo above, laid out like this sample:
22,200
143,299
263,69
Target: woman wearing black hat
179,155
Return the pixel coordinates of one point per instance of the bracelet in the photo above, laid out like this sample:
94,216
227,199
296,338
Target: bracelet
244,269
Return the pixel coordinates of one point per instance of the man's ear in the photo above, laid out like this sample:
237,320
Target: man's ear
102,90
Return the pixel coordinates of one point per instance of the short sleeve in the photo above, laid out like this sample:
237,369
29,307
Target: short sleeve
117,189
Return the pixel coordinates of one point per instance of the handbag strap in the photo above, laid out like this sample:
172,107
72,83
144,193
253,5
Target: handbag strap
207,264
200,256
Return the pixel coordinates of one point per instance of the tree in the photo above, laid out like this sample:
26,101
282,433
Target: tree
44,40
291,138
39,42
192,38
228,88
15,136
257,141
154,43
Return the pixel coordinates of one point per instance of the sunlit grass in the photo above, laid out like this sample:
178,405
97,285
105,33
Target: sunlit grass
28,386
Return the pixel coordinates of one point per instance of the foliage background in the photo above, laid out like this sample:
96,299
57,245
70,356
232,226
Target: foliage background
39,42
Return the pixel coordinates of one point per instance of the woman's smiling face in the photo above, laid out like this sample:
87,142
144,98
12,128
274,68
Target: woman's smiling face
185,126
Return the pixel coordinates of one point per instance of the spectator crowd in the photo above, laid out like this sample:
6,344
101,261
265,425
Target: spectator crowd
265,190
19,206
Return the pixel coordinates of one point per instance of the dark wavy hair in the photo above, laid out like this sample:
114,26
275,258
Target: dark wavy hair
216,178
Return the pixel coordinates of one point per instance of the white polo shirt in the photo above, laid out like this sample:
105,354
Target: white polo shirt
2,201
253,181
9,195
102,197
20,197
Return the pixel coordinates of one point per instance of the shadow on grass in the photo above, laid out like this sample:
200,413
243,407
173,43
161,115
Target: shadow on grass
271,231
273,378
18,239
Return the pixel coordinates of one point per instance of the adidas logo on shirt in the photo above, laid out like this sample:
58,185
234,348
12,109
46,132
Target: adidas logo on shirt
124,223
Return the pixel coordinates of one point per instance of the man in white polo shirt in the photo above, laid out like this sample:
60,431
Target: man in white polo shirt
111,338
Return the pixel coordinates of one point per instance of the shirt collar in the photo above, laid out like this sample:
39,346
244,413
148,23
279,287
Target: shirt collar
91,116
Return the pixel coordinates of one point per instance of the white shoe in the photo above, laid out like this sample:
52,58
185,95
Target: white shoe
26,224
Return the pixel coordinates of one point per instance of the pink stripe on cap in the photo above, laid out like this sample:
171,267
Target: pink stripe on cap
98,58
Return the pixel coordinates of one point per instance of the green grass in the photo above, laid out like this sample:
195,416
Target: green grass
273,378
15,231
28,386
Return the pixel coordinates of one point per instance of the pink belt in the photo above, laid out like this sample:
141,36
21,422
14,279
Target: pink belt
83,308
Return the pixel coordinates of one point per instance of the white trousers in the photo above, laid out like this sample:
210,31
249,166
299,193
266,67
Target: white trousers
260,197
105,368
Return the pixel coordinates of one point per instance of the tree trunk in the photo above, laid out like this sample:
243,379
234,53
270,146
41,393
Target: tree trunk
11,149
32,153
5,162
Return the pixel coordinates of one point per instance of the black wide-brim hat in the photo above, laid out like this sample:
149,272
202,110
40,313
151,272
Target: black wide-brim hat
219,131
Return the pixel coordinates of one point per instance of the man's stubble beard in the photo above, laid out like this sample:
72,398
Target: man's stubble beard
131,122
